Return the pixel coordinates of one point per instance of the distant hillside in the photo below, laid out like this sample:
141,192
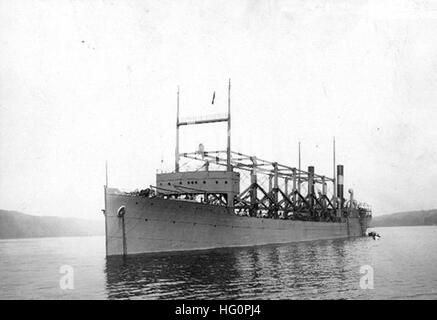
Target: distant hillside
410,218
15,224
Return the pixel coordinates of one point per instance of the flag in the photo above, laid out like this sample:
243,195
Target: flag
213,98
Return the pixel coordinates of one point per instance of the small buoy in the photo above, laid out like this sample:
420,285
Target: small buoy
374,235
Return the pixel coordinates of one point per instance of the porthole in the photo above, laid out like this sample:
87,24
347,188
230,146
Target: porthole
216,182
204,182
226,182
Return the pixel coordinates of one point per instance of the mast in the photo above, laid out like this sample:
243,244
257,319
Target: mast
105,189
177,135
228,148
193,121
106,173
333,173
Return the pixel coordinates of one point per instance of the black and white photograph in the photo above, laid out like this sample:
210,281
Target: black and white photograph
218,150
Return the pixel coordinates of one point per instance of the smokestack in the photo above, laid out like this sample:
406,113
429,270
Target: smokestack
324,191
340,186
311,184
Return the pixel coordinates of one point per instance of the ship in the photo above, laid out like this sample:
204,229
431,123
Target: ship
211,207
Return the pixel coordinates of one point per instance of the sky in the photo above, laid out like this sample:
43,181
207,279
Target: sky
82,82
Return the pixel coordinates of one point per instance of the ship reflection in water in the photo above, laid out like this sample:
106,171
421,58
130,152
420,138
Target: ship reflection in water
318,269
403,263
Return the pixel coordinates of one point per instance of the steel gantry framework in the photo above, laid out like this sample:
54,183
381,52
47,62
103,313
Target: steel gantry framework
286,202
286,199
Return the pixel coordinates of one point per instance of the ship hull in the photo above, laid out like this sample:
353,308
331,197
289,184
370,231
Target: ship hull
164,225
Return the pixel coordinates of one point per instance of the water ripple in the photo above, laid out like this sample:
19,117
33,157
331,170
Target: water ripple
403,261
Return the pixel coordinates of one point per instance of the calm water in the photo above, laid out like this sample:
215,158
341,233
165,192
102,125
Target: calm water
404,262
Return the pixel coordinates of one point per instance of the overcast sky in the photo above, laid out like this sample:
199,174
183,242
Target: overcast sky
85,81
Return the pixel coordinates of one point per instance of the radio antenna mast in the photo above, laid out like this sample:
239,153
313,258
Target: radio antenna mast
106,173
333,170
228,149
